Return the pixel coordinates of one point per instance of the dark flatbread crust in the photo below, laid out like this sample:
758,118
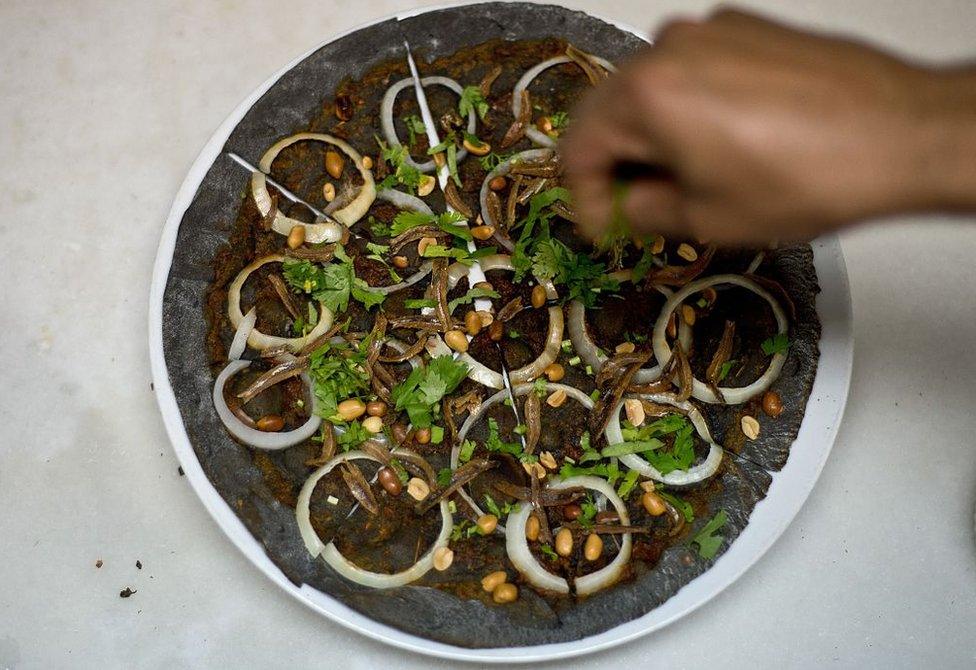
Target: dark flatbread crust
420,610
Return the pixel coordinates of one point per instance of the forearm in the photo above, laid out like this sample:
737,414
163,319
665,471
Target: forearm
946,143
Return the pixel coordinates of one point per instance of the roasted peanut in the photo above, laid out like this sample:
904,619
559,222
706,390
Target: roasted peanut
351,409
505,593
389,480
271,423
564,542
532,528
376,408
593,548
418,488
653,503
493,579
334,164
373,424
487,523
443,557
296,237
456,340
750,427
498,183
554,372
772,404
482,232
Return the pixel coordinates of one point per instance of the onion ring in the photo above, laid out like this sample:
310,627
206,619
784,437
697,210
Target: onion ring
533,133
253,437
389,130
256,338
244,328
340,563
700,390
501,396
590,352
692,475
314,232
517,546
501,170
482,374
402,200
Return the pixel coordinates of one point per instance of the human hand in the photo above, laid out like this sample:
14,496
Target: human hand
759,132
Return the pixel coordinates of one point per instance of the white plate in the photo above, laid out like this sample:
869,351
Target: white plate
786,494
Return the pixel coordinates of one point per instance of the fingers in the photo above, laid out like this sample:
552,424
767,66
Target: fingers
607,131
653,206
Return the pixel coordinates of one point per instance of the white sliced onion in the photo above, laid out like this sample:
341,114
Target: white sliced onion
517,547
731,395
331,554
532,132
501,396
346,213
421,272
253,437
244,328
389,129
591,353
256,338
402,200
481,373
501,170
604,577
692,475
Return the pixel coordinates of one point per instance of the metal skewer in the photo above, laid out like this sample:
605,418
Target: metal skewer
284,191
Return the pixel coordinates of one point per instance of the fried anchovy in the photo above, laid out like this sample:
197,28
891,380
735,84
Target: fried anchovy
359,487
459,478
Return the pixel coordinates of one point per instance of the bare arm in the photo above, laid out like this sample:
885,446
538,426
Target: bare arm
757,132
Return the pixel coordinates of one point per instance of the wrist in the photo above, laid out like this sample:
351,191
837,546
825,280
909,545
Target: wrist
943,155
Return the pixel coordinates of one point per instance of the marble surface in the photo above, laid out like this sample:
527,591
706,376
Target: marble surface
103,107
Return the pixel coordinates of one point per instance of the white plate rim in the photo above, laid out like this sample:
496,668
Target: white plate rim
789,489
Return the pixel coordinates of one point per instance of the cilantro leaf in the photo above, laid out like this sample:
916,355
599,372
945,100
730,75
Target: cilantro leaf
426,386
548,552
777,344
403,172
415,126
726,368
708,538
472,100
496,444
449,222
466,452
469,297
680,504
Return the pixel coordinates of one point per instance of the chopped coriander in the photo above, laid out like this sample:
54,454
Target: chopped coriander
377,228
575,360
627,485
352,435
777,344
419,303
512,333
726,368
449,222
436,434
452,164
466,451
496,444
567,346
332,284
520,429
559,120
587,514
680,504
472,101
469,297
444,477
584,277
425,386
539,386
636,447
415,126
548,552
403,172
337,374
595,395
708,538
492,160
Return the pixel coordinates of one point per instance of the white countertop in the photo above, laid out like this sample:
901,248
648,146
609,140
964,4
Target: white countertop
103,107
